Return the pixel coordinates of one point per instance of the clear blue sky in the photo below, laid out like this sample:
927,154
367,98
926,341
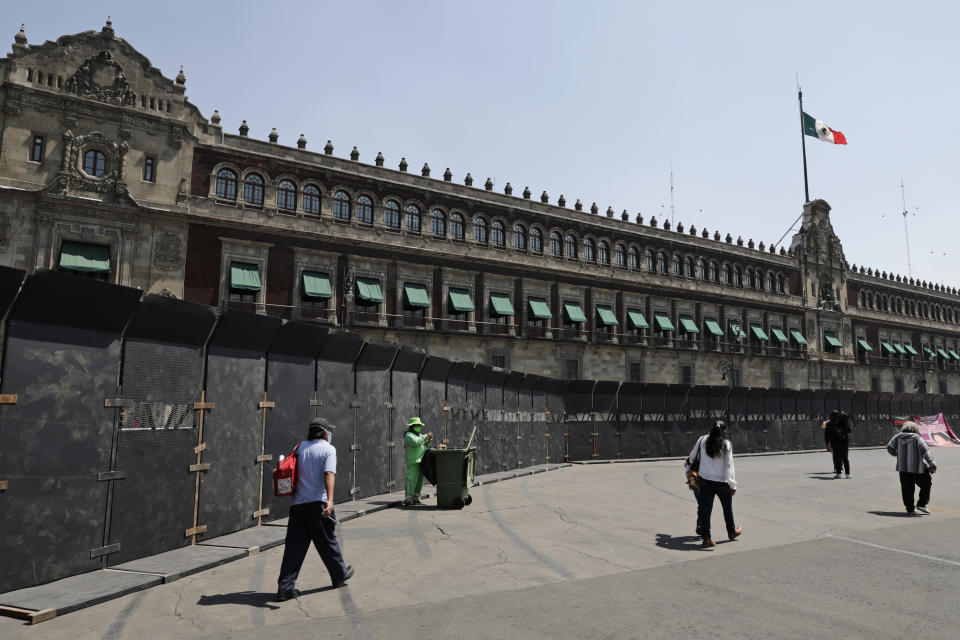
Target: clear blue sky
596,100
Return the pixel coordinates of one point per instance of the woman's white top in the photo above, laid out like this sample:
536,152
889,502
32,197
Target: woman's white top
719,469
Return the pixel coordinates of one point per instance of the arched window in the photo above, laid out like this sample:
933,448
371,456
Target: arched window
253,189
311,199
900,307
519,237
725,274
759,280
662,262
571,244
621,252
702,269
456,226
771,281
341,205
649,261
480,230
589,250
94,163
536,240
438,223
391,214
365,210
677,265
737,277
411,218
780,285
603,252
751,281
556,244
226,184
714,273
287,196
635,258
688,267
497,234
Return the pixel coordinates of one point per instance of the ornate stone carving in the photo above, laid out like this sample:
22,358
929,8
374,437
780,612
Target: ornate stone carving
166,293
168,252
348,279
101,77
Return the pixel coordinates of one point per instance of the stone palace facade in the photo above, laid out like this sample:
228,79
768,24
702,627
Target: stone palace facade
106,169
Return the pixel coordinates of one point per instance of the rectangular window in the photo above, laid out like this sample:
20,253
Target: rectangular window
943,386
898,384
686,374
149,169
735,377
875,383
571,369
36,150
777,381
635,372
498,360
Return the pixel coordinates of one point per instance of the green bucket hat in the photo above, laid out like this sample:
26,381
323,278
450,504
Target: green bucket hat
415,422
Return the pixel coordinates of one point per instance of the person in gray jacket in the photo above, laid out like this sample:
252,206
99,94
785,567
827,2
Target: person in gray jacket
915,465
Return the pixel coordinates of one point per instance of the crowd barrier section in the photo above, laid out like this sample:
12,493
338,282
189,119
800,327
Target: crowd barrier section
630,418
473,415
58,440
337,403
377,433
232,463
606,420
291,385
581,436
500,423
405,403
463,400
435,411
161,382
556,432
538,429
514,425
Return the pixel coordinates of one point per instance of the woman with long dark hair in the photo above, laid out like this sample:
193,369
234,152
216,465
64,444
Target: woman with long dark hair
717,478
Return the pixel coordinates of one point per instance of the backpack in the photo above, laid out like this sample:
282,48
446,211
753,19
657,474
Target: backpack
285,475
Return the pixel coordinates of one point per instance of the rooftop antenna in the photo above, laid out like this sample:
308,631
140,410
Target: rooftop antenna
906,233
671,193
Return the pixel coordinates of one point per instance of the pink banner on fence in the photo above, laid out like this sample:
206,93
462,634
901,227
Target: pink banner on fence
936,431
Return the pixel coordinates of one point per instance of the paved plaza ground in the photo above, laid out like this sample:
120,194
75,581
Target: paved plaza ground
597,551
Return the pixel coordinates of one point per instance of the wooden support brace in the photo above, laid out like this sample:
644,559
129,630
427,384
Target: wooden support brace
204,405
8,398
203,466
259,513
267,404
33,617
192,531
200,447
266,457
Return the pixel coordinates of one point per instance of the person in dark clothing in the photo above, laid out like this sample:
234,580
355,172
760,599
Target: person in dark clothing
915,465
836,434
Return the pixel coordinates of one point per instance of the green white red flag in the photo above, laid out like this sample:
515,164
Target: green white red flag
819,129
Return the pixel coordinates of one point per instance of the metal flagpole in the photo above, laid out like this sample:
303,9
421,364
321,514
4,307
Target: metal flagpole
803,143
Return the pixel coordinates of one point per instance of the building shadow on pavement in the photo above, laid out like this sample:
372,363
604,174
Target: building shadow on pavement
679,543
252,598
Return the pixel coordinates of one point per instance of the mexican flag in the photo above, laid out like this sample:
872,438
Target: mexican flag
819,129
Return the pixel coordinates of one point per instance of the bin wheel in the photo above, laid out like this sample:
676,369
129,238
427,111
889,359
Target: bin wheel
458,503
468,500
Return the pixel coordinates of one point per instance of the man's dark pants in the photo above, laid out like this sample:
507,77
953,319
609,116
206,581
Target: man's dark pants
908,481
708,490
841,457
307,523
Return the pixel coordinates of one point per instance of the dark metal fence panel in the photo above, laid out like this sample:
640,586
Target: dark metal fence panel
57,441
291,386
555,417
404,404
606,422
581,436
630,408
500,427
739,427
485,440
656,420
433,398
233,430
700,415
514,425
374,432
465,402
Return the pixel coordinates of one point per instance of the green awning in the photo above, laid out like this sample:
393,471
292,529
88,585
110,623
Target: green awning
416,295
501,304
460,300
758,332
910,349
797,336
953,354
688,325
89,258
900,350
831,339
316,285
929,352
663,322
606,315
574,312
778,334
540,309
736,330
943,354
637,319
369,289
864,344
886,348
713,327
244,276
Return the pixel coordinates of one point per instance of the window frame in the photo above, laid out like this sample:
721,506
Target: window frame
150,169
310,199
228,183
285,193
342,209
253,191
363,212
38,148
98,154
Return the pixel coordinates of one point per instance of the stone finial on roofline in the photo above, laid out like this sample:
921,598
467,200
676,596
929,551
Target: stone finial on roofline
561,201
181,78
425,171
354,154
468,180
403,164
215,118
594,209
328,148
244,129
273,136
302,142
578,205
625,216
544,198
508,189
379,159
526,193
609,212
447,175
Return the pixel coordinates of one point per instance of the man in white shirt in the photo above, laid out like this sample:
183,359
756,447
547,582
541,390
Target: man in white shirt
311,514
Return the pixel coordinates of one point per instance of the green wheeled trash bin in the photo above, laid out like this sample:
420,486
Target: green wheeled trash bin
454,476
